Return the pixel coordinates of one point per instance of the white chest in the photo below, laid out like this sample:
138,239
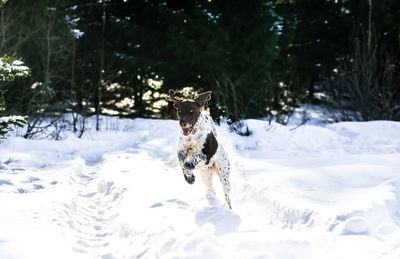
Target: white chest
191,145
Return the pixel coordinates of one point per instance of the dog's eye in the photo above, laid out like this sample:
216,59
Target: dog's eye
191,110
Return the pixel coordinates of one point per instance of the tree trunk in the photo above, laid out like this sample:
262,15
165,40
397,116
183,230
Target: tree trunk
100,84
369,25
311,90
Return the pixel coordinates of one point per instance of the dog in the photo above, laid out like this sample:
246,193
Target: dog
198,147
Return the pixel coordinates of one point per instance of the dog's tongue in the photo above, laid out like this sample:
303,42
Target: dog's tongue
186,131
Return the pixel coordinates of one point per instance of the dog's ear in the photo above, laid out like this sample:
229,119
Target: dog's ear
172,98
203,98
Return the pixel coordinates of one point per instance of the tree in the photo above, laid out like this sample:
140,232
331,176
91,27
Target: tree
260,58
43,38
310,42
10,68
366,84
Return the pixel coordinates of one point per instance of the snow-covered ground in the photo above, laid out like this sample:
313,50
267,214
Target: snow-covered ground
314,191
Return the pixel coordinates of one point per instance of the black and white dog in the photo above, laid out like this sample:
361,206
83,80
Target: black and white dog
198,148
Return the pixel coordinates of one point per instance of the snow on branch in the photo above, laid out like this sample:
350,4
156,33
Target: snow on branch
11,68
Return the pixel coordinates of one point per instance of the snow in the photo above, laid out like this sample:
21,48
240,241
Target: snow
17,67
310,191
77,33
12,118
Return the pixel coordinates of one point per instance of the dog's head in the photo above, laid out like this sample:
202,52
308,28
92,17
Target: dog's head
188,110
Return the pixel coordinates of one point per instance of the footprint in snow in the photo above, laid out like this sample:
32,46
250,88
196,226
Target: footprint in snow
173,201
38,186
179,202
155,205
5,182
32,179
20,190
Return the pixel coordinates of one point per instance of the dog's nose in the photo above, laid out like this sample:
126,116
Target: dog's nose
183,125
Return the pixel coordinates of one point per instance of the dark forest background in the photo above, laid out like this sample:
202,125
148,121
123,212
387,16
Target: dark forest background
260,58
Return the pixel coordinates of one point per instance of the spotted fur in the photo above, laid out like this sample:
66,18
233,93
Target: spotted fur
200,151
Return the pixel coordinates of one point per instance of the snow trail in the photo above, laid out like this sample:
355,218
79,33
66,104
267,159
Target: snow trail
91,213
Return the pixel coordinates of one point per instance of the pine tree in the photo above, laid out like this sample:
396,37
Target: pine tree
10,68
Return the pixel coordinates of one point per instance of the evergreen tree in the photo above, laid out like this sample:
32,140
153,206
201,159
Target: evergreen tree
260,57
10,68
313,35
43,38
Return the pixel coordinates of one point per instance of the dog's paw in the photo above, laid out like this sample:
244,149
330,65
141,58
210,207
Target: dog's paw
189,178
189,165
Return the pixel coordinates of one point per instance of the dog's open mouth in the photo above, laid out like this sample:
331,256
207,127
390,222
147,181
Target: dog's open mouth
186,131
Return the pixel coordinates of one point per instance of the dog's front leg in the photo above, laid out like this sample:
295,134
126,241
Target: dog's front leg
192,163
189,165
189,176
187,173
